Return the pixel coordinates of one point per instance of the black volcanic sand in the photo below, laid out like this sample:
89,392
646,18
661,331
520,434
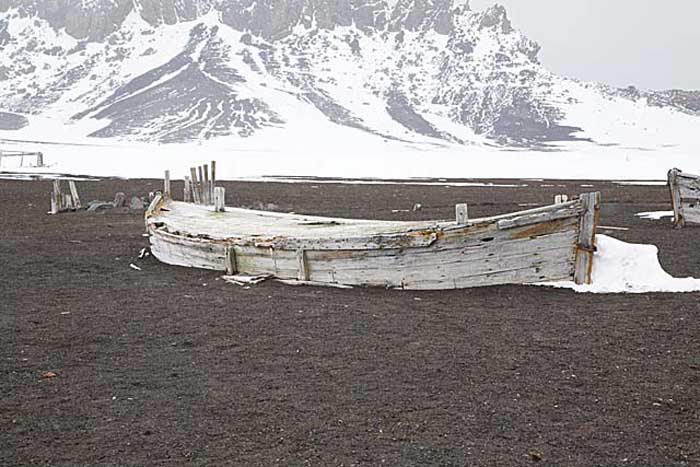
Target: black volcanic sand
169,366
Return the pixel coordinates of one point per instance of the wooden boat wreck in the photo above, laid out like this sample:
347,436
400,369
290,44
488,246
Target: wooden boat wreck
685,197
551,243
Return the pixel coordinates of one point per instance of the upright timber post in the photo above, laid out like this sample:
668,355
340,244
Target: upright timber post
205,185
39,159
74,193
585,247
462,214
674,186
219,199
195,190
56,199
166,184
212,181
187,194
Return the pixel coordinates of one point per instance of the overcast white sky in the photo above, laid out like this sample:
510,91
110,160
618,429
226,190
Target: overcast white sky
649,43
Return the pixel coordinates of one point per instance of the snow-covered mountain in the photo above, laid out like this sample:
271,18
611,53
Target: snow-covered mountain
413,71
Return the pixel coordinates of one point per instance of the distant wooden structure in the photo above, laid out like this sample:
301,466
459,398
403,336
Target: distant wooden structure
62,202
37,156
550,243
685,197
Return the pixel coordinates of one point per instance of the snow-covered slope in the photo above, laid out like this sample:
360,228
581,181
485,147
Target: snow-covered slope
418,71
394,88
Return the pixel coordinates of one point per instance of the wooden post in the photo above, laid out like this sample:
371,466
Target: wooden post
212,182
74,194
219,199
69,203
230,260
462,214
674,186
586,239
39,159
195,192
56,198
187,195
166,184
205,186
200,188
303,273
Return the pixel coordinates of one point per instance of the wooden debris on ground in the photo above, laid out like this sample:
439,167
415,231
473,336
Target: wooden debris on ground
63,202
239,279
685,197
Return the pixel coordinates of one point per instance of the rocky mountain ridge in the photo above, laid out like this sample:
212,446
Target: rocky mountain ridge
189,70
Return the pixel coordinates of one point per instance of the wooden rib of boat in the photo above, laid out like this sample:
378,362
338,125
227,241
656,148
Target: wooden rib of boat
545,244
685,197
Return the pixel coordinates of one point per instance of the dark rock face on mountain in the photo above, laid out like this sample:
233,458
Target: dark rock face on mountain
191,70
10,121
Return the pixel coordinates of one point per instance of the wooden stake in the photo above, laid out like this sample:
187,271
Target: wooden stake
303,274
195,192
674,186
200,187
230,260
205,186
212,182
219,199
586,239
166,184
187,195
462,214
74,194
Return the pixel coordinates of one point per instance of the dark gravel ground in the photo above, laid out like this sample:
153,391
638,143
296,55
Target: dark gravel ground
169,366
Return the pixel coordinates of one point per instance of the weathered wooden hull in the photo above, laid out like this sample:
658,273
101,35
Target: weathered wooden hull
546,244
685,197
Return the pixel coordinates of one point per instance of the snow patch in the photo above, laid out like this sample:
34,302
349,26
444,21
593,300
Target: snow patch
621,267
654,215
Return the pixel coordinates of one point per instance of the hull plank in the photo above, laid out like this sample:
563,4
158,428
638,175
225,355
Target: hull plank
530,246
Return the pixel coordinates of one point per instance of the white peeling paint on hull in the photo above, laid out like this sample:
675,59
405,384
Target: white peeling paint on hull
537,245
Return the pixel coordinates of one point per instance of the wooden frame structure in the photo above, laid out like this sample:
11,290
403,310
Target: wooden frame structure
685,197
38,155
550,243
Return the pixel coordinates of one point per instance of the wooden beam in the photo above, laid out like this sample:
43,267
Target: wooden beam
462,214
585,247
